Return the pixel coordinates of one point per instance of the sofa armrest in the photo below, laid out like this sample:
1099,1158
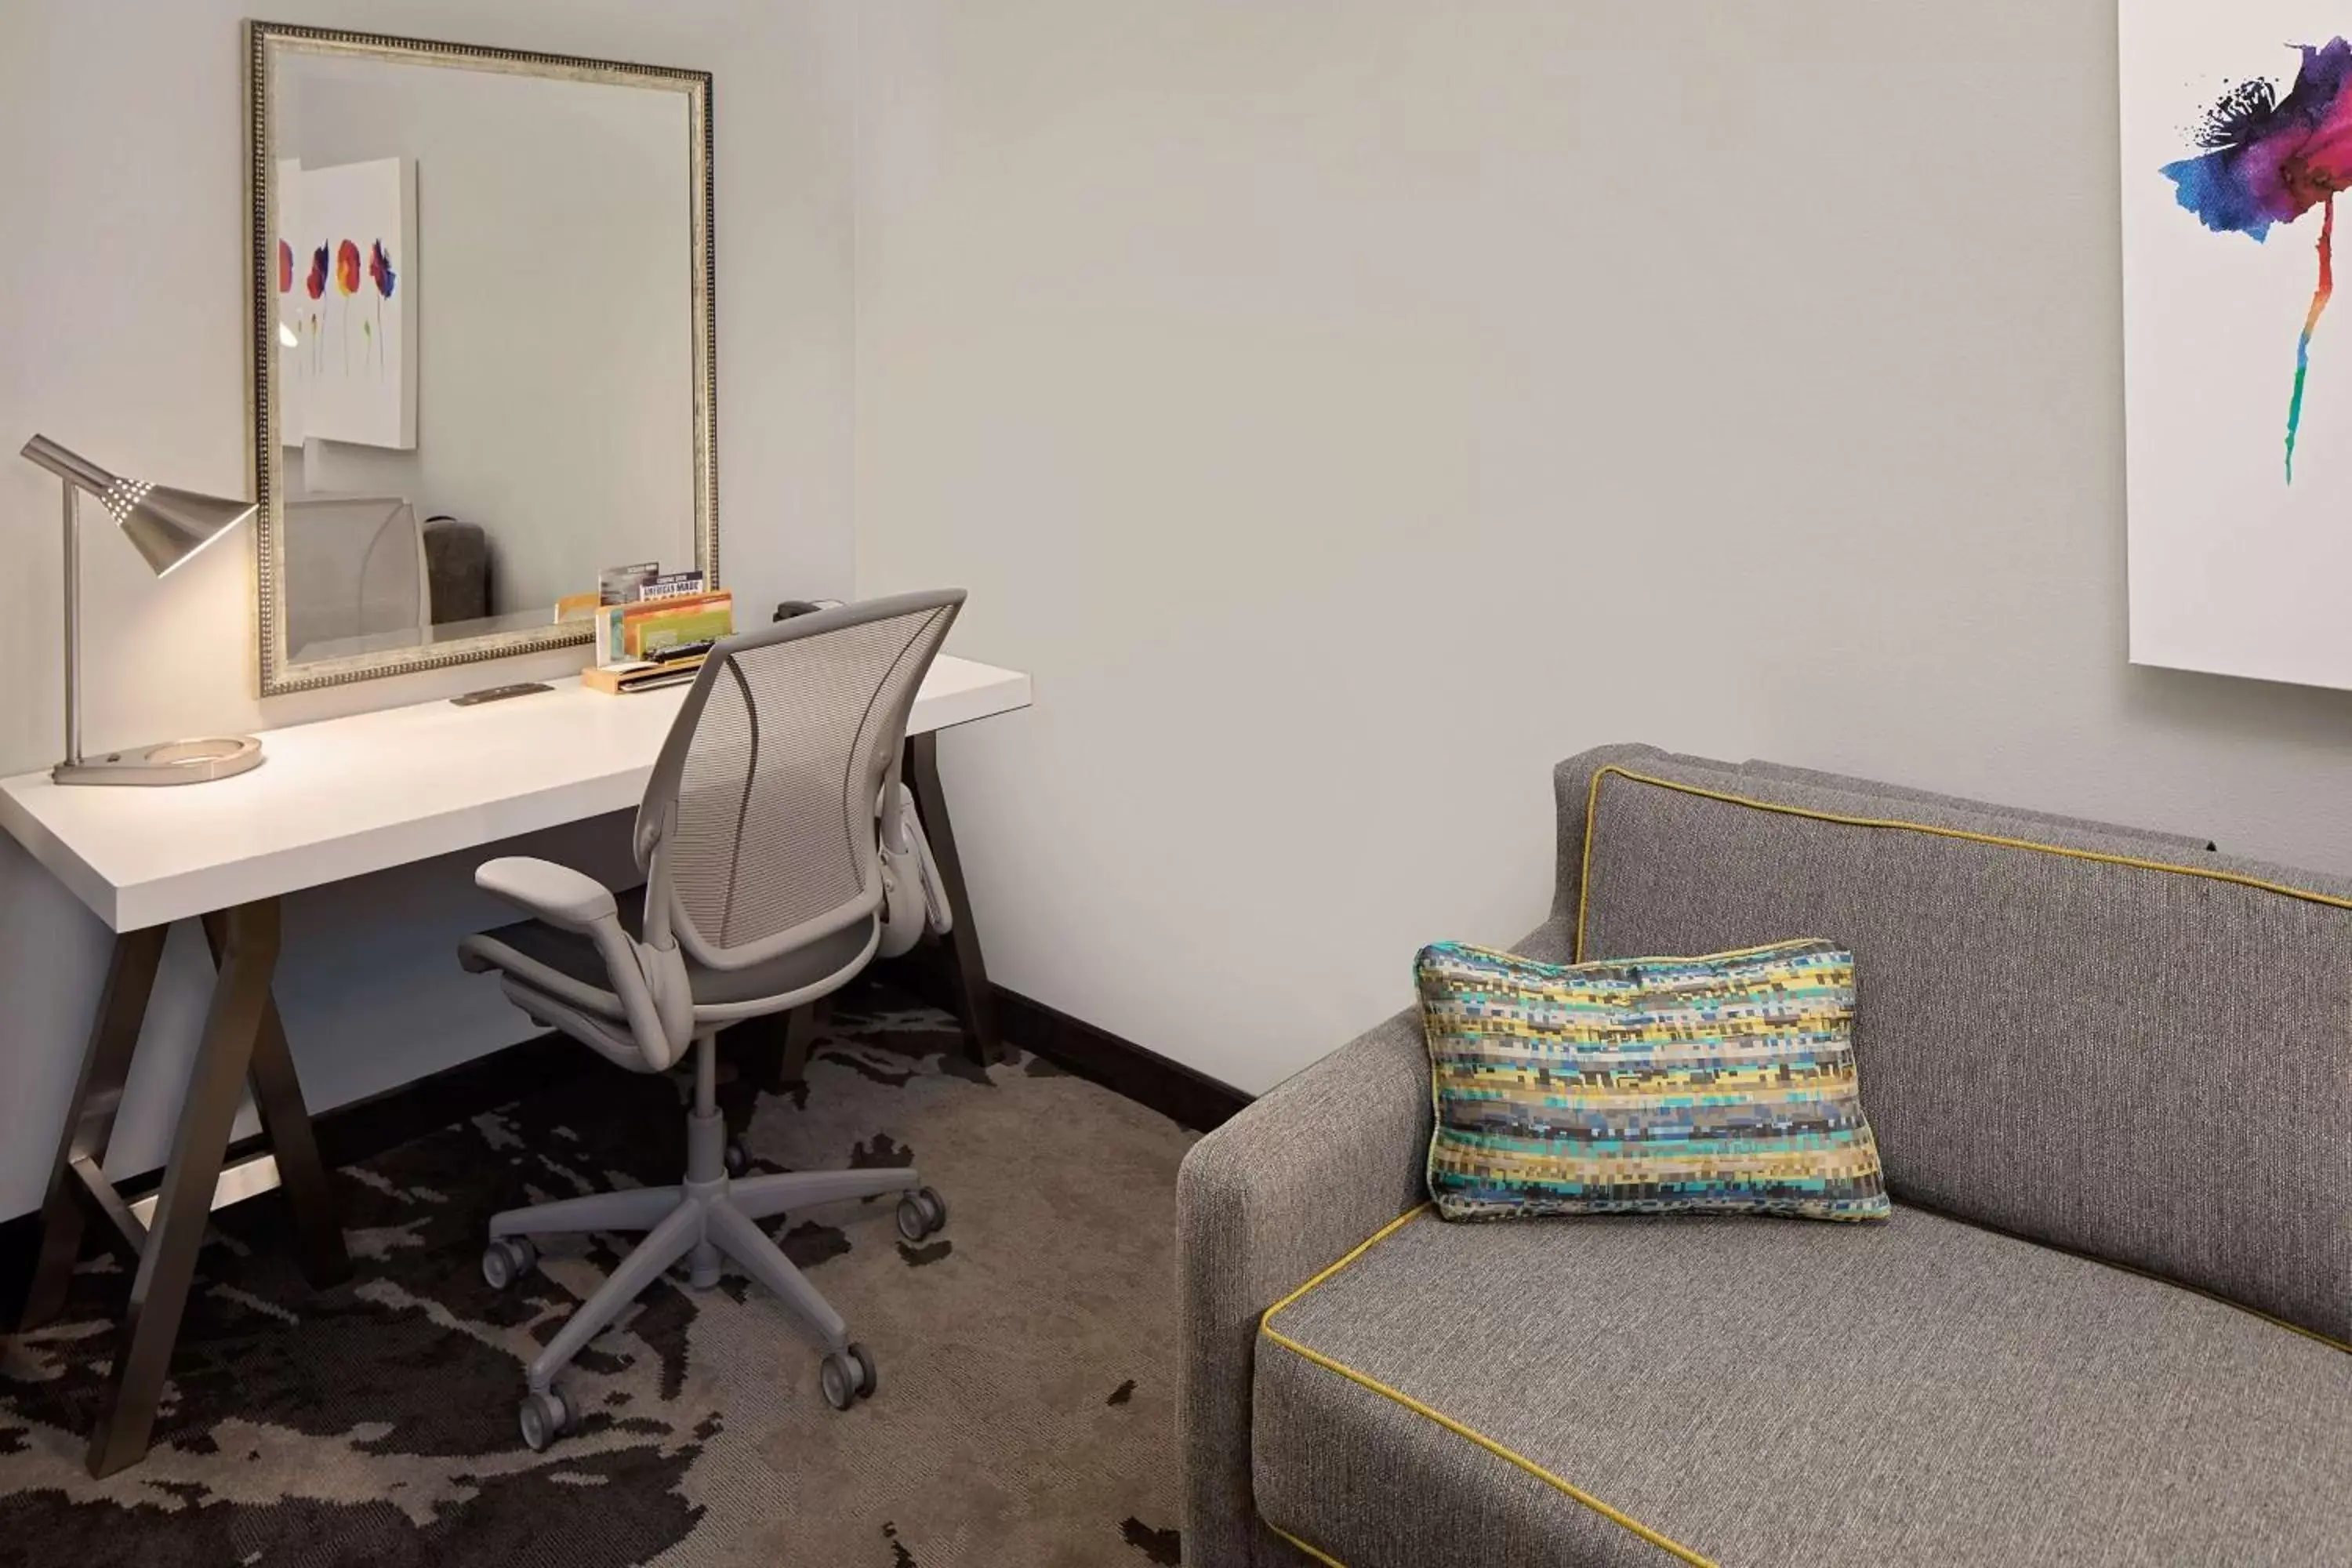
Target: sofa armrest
1264,1204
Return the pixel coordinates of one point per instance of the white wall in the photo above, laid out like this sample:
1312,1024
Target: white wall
1346,408
123,335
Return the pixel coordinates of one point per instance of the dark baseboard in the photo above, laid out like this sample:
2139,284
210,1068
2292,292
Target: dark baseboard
1185,1096
366,1128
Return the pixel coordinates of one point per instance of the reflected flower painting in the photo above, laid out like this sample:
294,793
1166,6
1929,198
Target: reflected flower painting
358,223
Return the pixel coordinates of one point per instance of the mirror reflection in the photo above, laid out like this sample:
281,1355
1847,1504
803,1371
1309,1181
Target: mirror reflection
487,316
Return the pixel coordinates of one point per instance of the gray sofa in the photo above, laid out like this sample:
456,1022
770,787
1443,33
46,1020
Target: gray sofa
2111,1077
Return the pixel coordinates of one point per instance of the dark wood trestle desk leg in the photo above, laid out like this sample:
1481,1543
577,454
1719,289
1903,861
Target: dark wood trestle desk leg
286,1123
802,1024
242,1034
975,1004
778,1054
76,1181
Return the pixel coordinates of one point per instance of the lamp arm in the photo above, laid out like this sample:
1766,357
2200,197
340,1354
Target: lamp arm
70,467
73,610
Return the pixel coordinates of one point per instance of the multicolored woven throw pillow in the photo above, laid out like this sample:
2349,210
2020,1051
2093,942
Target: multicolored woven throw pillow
1721,1085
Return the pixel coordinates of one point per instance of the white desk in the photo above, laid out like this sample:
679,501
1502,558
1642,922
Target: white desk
348,796
332,801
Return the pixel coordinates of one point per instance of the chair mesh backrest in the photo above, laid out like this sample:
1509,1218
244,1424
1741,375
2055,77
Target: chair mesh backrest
774,830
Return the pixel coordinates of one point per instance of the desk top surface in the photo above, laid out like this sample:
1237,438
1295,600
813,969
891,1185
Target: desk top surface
348,796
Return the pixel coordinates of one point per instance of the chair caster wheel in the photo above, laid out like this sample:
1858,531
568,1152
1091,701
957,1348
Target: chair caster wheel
507,1259
736,1161
921,1212
868,1376
544,1419
846,1377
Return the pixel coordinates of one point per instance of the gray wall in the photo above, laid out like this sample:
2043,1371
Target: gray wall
121,334
1346,408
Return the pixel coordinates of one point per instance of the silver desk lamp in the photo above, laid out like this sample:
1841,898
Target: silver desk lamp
167,527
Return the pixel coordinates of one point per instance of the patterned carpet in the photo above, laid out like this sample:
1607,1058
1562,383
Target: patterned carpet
1026,1412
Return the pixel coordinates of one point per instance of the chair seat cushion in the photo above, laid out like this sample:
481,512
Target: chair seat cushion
1745,1392
566,965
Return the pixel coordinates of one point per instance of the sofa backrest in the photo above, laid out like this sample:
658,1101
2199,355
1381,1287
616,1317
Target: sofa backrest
2105,1040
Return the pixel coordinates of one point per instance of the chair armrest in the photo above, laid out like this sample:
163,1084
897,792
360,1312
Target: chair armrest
1265,1203
556,894
651,980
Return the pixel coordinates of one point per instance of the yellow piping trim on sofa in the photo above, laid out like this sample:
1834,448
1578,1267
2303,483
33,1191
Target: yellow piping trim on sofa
1360,1249
1266,1327
1322,1557
1593,810
2213,1296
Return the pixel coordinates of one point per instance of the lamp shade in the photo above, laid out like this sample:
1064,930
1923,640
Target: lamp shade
166,525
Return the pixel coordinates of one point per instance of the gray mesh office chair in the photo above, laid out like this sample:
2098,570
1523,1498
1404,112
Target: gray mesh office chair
780,854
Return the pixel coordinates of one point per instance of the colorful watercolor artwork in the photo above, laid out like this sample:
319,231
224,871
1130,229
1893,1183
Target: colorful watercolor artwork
347,332
2237,140
2268,160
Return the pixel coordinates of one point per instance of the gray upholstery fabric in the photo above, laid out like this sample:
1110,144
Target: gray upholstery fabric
1264,1203
567,966
2142,1065
1756,768
1766,1393
1873,798
1570,780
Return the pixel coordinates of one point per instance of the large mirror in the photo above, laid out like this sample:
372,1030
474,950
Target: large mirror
482,346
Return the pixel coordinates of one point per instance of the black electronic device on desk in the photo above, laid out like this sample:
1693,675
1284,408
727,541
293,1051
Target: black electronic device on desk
501,693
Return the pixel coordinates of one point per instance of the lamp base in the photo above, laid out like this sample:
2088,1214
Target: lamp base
173,762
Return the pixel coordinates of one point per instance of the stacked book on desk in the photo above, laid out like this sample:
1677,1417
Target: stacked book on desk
643,628
658,638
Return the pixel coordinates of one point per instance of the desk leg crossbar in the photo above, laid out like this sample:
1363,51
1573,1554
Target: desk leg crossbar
244,1041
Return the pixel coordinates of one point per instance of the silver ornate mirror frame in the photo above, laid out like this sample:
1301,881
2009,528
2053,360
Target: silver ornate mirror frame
262,39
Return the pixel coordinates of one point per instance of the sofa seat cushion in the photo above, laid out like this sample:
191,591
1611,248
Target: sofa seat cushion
1644,1390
